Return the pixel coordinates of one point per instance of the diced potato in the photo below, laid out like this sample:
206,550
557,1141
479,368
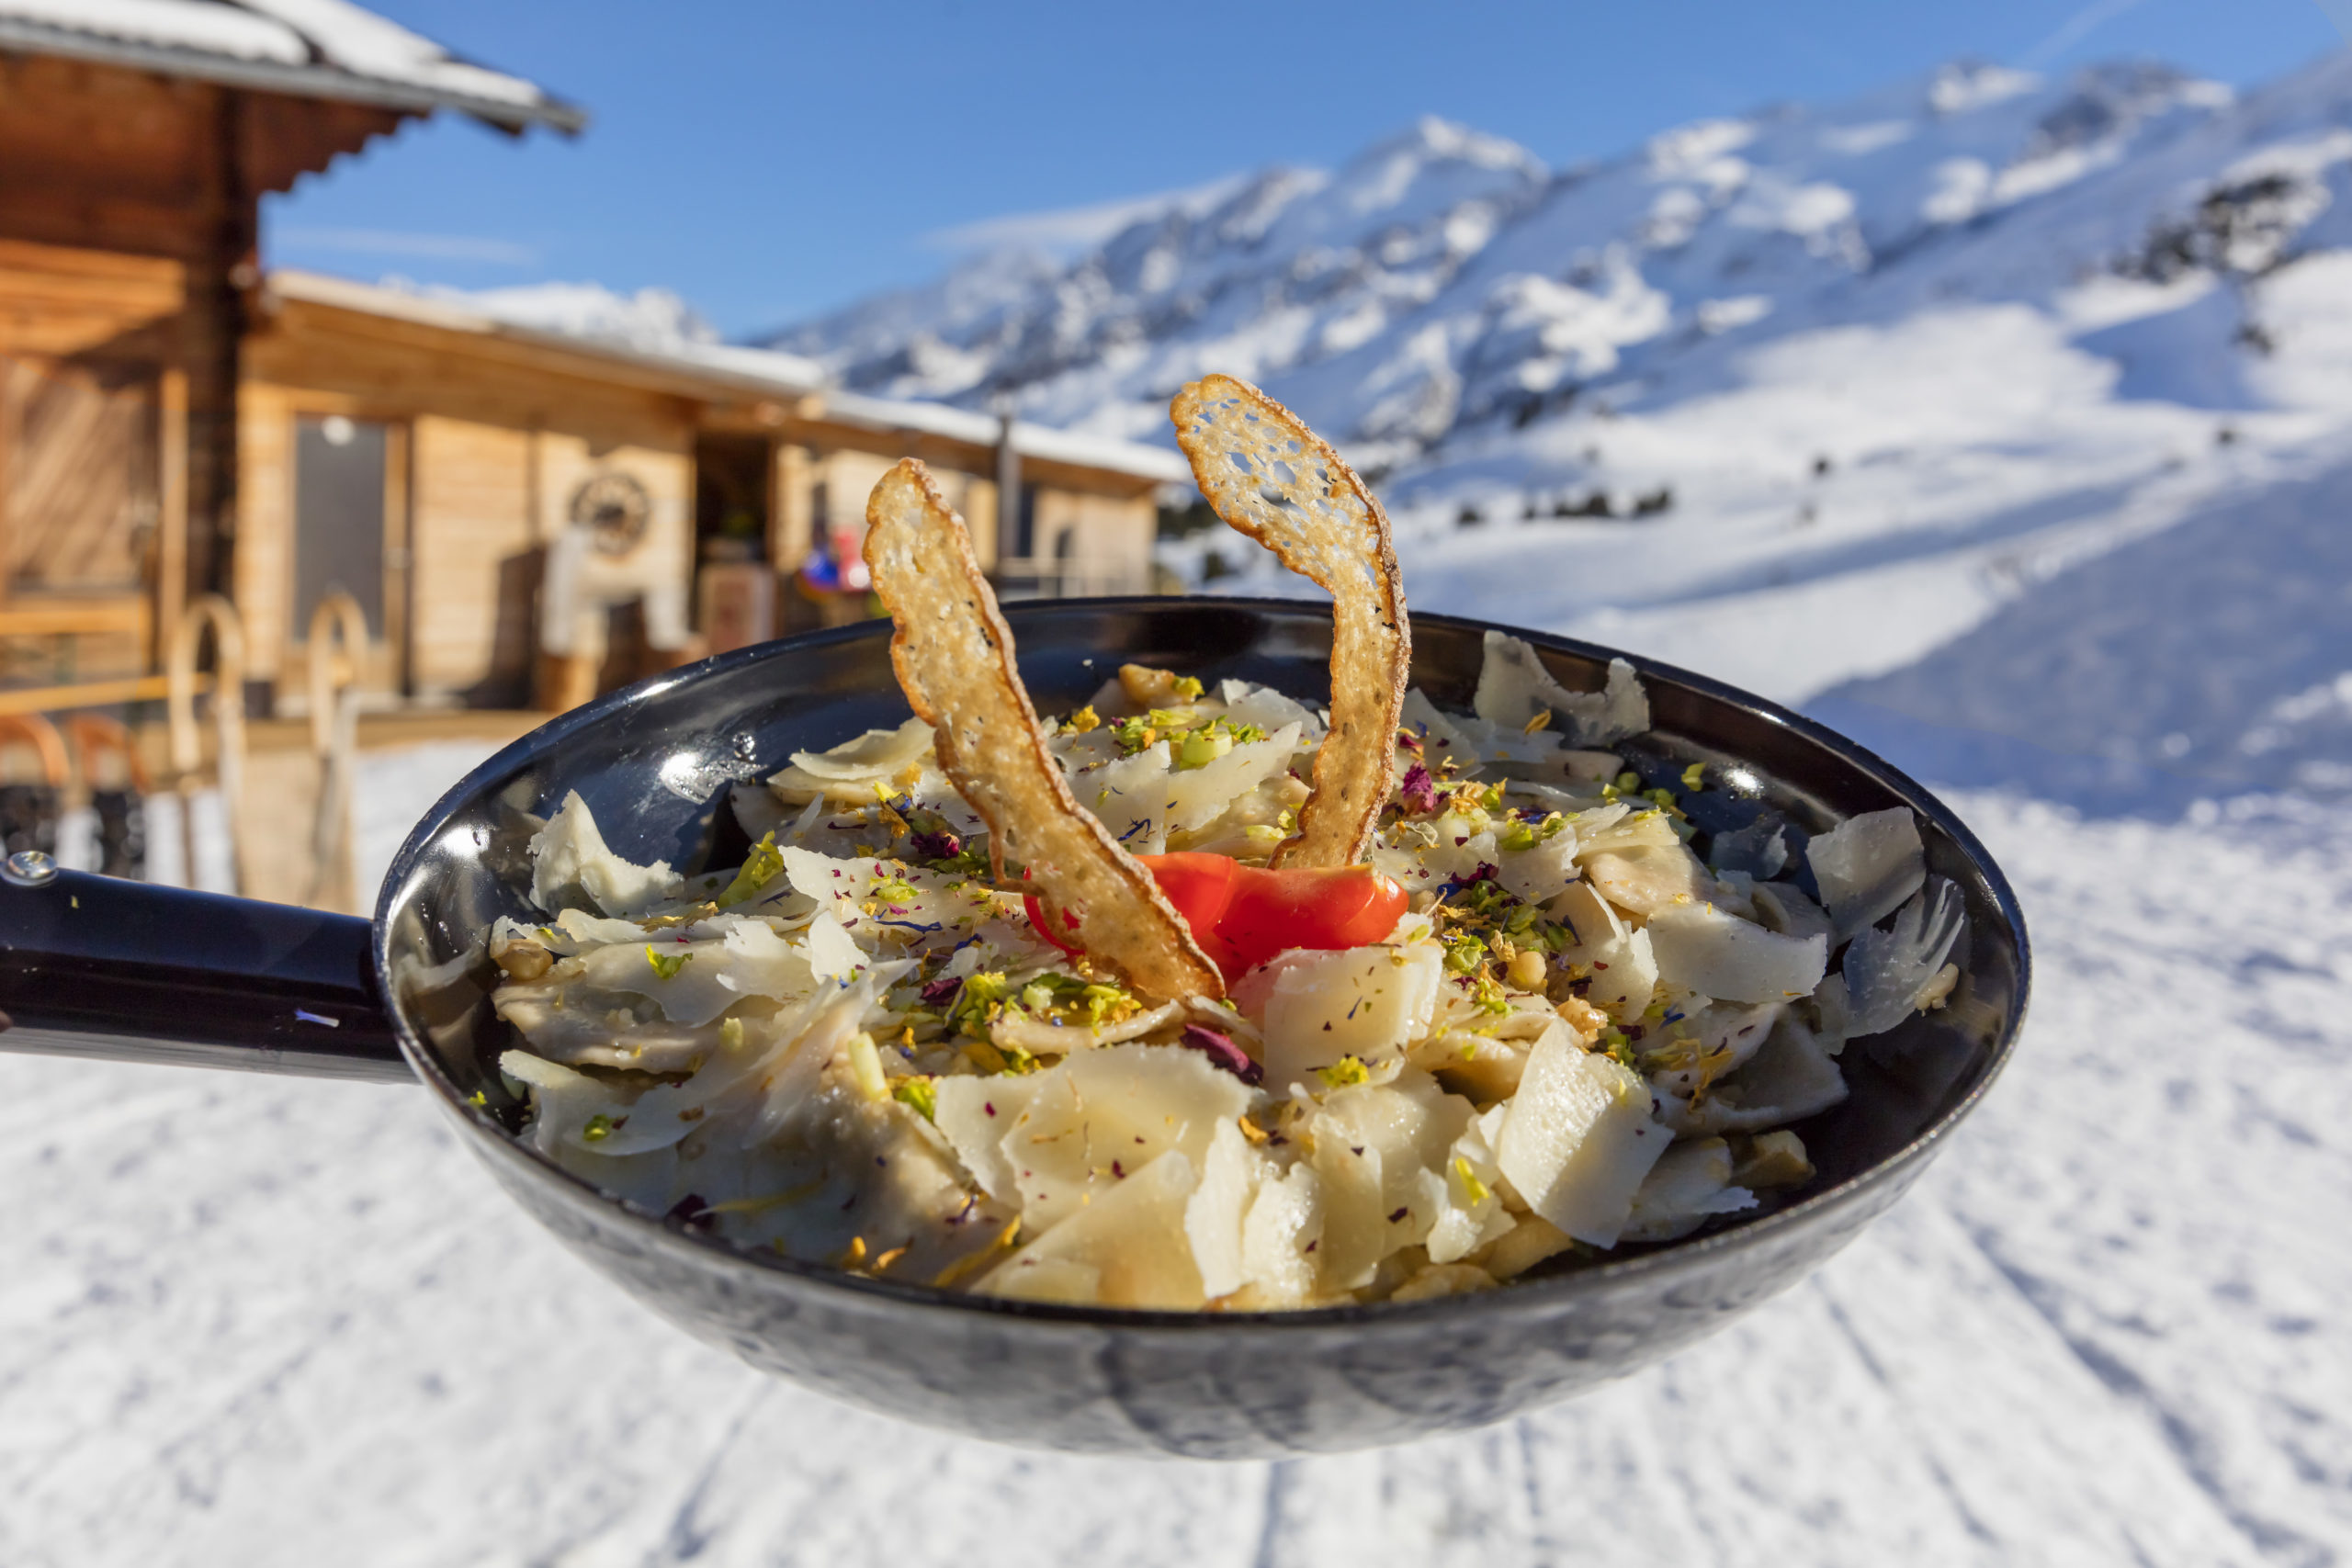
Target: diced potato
1579,1140
1771,1159
1364,1002
1715,953
1531,1241
1444,1279
1867,866
1127,1248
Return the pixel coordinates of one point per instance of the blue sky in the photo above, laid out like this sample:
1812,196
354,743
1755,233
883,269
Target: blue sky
769,161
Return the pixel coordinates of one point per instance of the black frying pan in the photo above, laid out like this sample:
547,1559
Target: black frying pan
95,966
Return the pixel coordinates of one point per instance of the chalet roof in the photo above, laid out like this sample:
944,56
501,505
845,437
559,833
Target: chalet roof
319,48
687,366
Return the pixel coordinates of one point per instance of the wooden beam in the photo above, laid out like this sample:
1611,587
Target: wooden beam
90,694
67,617
171,521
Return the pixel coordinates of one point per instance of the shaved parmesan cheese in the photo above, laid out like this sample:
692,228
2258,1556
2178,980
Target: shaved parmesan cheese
1643,881
831,954
1364,1002
1866,866
1127,1248
1441,735
1513,687
1702,949
571,866
1579,1140
1101,1115
1538,873
1590,921
1267,708
1623,978
1131,796
1285,1219
1792,1077
1198,796
1887,971
1212,1217
1690,1185
974,1114
876,754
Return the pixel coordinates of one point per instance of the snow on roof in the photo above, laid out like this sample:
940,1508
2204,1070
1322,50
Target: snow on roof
324,49
583,318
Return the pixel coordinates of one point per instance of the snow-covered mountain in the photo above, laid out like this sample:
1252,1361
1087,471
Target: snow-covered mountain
1445,298
1870,369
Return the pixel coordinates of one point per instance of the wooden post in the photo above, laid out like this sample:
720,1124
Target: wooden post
171,541
338,663
214,325
790,525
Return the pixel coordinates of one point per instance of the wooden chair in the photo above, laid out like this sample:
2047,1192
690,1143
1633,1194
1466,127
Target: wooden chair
186,742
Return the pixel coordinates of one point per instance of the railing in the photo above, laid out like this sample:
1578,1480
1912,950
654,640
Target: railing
1074,577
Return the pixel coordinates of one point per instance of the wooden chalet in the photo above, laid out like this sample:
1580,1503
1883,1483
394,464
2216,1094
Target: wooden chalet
135,144
522,516
437,463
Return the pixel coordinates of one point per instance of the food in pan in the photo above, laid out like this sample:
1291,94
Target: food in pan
1206,995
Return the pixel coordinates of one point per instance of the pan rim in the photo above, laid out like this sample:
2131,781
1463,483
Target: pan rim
1546,1295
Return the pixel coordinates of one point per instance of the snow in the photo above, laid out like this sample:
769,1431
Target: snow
280,1321
2075,553
213,30
650,319
305,34
2106,1327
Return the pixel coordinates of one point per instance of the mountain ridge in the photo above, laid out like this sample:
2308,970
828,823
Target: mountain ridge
1445,294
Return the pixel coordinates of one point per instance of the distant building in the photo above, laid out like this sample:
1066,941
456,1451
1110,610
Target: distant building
452,470
173,424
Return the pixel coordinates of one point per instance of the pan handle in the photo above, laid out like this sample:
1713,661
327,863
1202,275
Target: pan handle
98,966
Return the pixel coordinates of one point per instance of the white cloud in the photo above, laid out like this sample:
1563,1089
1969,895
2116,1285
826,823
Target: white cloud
1070,229
2075,28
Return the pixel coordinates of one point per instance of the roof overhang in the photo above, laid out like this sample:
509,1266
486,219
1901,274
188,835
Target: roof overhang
293,80
715,371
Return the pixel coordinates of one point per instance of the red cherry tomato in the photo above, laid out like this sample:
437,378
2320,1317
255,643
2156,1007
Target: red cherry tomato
1203,889
1273,911
1242,915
